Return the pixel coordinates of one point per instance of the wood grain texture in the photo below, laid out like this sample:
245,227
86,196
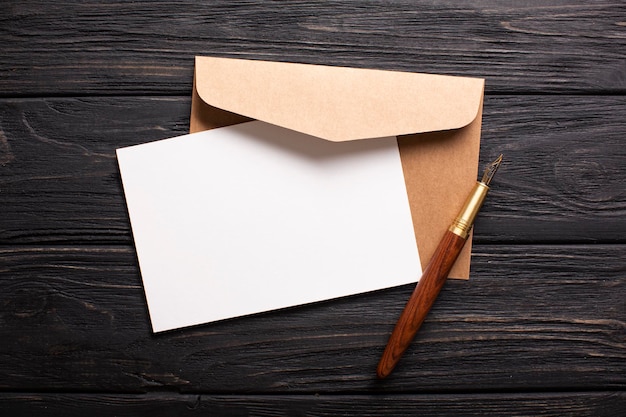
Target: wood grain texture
540,329
563,179
595,404
147,47
547,317
420,302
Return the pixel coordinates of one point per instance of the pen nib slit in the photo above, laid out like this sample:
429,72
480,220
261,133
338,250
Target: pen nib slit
491,170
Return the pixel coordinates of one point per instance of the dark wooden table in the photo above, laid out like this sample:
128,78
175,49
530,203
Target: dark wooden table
540,329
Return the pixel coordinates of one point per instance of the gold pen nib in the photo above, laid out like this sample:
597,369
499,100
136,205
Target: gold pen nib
491,170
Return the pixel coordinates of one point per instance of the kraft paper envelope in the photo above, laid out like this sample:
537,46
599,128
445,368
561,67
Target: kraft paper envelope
436,119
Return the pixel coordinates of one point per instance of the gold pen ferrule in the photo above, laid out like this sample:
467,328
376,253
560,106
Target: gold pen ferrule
465,220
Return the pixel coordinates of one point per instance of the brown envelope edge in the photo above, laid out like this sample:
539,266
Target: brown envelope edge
440,168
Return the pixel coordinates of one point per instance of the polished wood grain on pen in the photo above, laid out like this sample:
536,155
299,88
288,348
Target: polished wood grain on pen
435,274
421,301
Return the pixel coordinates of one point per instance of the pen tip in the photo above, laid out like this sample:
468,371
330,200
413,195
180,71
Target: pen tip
491,169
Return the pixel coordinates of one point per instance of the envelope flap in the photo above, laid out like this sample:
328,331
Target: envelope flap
338,103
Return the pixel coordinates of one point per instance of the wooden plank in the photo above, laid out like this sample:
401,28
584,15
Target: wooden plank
563,179
59,169
531,318
168,404
92,47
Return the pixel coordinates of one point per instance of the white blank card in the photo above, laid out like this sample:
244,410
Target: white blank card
254,217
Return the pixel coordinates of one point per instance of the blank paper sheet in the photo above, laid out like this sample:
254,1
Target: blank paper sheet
253,217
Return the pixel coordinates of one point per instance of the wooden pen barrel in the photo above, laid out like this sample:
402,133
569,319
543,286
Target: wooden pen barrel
421,301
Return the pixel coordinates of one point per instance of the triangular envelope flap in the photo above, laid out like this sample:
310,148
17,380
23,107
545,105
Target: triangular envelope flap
338,103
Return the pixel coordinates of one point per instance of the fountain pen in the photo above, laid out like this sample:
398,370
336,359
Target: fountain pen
435,274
